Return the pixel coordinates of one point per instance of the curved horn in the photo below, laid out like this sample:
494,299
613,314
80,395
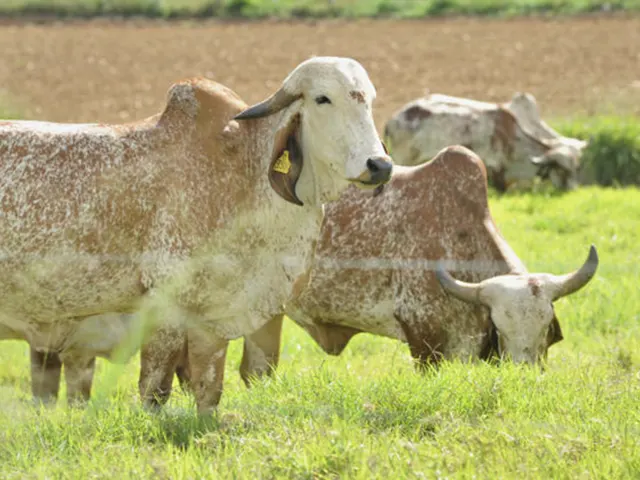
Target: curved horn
273,104
572,282
469,292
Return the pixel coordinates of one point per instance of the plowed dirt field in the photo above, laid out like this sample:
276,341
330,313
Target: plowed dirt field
107,70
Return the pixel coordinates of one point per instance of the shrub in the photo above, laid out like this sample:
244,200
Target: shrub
613,155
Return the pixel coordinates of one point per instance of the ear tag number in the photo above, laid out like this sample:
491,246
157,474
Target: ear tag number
283,164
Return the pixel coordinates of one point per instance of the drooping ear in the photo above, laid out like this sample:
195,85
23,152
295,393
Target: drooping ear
554,334
286,163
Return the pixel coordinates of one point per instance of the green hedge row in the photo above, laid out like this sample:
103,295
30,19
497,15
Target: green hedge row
306,8
612,157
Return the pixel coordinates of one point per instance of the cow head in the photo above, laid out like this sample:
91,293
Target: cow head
561,163
522,306
327,138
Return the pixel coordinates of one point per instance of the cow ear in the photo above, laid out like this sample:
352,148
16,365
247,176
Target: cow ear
286,164
554,335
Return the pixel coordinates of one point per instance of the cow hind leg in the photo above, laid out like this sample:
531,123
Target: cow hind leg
161,355
78,374
45,375
261,351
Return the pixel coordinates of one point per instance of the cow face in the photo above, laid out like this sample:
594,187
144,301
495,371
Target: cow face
561,164
330,139
522,306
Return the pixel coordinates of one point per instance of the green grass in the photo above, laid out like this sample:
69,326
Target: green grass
368,414
309,8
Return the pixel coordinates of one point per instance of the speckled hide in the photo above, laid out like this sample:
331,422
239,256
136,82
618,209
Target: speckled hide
512,140
181,216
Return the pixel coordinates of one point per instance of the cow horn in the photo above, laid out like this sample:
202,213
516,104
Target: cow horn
469,292
541,160
567,284
273,104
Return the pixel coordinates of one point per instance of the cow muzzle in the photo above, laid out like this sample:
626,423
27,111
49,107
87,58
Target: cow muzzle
378,172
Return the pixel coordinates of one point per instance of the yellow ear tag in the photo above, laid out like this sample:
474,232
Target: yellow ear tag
283,164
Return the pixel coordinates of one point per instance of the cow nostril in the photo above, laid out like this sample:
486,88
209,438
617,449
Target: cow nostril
372,166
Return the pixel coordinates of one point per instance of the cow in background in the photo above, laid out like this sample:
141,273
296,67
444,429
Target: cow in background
512,140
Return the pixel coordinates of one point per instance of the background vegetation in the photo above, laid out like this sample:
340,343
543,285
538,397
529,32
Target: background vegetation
613,154
310,8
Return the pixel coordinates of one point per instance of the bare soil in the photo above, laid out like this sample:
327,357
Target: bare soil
114,71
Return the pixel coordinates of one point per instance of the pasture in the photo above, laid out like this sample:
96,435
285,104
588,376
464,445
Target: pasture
368,413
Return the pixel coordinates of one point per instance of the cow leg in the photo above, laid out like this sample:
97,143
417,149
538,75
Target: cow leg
78,374
160,357
426,344
45,375
261,351
207,353
498,180
183,372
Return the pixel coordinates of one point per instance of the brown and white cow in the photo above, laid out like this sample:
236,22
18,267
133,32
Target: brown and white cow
512,140
379,267
382,266
206,215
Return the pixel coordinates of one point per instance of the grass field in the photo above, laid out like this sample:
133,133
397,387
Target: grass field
310,8
368,414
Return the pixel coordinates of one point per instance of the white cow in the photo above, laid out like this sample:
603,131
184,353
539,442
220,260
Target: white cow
207,213
515,144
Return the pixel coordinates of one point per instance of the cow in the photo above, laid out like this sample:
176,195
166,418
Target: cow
514,143
204,216
382,266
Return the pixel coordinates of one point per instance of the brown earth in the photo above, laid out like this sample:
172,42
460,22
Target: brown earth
103,71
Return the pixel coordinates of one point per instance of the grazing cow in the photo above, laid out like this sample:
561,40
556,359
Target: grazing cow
207,213
511,139
382,264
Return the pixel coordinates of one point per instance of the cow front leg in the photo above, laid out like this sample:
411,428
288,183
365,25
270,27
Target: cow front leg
78,375
160,357
261,351
206,353
45,375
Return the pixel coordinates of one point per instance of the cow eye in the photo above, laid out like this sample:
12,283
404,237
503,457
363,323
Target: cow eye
322,99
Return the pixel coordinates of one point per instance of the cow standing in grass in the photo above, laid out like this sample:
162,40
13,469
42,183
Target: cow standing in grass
206,214
381,265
